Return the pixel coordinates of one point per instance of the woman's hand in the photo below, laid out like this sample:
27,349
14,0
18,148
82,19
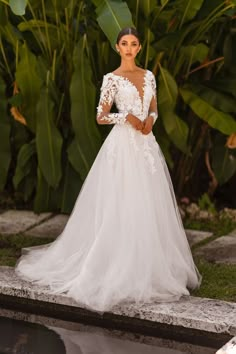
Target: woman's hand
135,122
147,125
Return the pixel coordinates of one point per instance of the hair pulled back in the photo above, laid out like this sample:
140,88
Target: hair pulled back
125,31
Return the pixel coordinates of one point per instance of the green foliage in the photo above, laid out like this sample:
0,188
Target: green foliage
205,203
86,142
10,247
29,82
218,282
5,150
57,52
115,12
48,139
216,119
218,226
18,6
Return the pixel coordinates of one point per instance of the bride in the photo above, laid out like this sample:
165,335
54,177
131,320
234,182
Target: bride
124,241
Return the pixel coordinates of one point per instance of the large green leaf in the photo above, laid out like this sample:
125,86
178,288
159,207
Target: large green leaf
167,89
30,83
168,41
230,52
223,161
3,15
18,6
224,84
175,127
190,9
87,140
208,7
194,53
24,162
47,198
25,174
5,149
147,7
48,140
219,100
10,33
216,119
112,16
71,186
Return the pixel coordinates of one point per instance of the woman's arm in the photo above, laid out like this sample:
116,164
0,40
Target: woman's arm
153,111
108,91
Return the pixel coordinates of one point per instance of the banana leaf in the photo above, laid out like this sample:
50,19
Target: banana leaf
190,9
25,177
167,88
175,127
72,184
5,148
48,140
29,83
223,161
24,162
219,100
225,84
18,6
83,149
46,198
112,16
195,53
223,122
147,7
3,15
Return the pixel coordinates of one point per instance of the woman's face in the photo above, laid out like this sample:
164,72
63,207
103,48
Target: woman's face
128,47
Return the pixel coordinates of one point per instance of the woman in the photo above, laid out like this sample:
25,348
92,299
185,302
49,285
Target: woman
124,240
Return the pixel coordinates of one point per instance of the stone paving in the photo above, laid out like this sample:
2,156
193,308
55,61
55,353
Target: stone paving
221,250
50,228
196,236
15,221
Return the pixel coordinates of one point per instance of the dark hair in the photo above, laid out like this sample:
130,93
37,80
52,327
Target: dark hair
125,31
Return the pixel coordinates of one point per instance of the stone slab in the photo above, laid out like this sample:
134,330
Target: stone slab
50,228
189,312
196,236
221,250
18,221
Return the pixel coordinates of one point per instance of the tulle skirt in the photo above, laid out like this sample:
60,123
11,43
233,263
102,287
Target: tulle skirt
124,240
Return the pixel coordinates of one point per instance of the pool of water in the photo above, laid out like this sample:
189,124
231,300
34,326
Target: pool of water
30,334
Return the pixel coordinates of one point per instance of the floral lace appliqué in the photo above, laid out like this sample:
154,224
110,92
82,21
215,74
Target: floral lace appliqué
127,98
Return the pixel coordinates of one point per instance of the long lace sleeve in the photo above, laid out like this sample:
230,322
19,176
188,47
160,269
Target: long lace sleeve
108,91
153,104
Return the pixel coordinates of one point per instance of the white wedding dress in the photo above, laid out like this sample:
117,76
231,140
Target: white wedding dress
124,240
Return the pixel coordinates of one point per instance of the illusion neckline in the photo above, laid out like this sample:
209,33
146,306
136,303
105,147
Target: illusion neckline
142,87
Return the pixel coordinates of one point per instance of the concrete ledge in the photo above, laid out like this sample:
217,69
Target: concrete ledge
196,316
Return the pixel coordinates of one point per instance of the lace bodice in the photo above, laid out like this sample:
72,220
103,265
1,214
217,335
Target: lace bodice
138,99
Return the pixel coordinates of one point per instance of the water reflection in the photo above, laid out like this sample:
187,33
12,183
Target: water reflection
23,337
92,343
28,338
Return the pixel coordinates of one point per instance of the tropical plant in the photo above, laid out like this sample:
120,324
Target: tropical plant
54,55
